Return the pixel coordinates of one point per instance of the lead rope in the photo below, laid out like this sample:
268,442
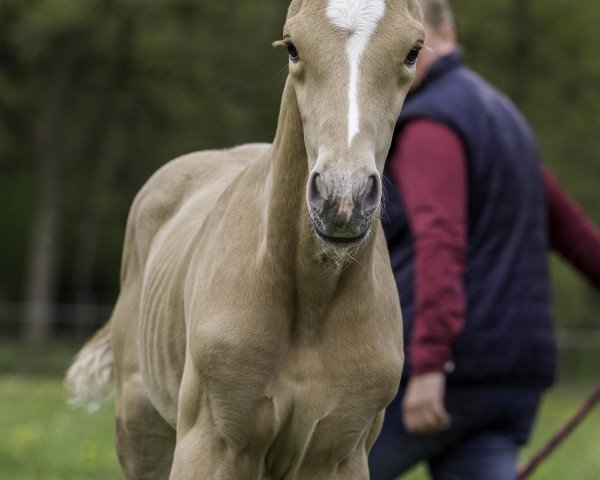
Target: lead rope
561,435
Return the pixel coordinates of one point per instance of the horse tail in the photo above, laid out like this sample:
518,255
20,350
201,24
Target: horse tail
90,379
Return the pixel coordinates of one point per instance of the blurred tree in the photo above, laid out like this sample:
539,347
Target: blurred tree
521,49
96,95
63,46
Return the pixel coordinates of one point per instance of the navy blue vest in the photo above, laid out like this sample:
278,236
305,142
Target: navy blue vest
508,335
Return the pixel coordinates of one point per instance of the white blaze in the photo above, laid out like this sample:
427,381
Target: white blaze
359,18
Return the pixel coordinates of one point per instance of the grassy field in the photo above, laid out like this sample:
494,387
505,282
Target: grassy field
44,439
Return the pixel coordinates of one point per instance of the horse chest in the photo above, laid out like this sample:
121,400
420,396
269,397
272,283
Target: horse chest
296,404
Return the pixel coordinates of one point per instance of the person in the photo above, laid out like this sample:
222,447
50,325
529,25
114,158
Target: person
470,215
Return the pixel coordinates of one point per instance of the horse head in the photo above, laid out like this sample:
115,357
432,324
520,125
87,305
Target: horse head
351,63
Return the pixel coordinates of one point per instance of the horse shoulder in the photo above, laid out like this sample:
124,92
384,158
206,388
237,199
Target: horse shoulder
204,173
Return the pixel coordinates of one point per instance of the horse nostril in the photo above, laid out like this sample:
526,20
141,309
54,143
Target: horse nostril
314,194
372,197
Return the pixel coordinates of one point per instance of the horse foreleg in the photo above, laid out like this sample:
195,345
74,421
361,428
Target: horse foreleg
203,451
145,441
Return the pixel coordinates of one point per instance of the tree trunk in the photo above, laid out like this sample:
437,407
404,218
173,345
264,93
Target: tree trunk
106,164
41,278
522,49
42,263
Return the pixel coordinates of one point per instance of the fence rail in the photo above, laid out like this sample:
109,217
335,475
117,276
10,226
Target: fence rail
67,319
78,318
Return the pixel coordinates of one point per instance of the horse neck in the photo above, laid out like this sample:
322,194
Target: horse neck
284,205
289,232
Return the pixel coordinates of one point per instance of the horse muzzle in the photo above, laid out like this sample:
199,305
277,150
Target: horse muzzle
342,210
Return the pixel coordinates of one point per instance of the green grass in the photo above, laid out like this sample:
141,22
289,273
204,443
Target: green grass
42,438
577,458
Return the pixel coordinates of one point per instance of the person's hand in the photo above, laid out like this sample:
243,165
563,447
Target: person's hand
423,408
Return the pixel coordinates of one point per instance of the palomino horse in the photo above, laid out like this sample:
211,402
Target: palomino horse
257,334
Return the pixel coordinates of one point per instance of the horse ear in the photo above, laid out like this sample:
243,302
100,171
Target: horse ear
415,10
294,8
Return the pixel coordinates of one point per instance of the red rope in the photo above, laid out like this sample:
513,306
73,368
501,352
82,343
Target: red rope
561,435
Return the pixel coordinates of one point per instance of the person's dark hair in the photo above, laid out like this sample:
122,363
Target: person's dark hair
438,12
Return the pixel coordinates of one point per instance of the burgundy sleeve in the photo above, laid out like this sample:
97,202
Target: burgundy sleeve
572,234
429,166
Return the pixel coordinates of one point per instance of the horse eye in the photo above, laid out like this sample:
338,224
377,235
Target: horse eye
411,58
294,55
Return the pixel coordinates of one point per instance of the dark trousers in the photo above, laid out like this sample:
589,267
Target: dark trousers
489,424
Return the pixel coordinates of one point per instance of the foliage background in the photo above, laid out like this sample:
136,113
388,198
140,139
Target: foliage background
95,95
